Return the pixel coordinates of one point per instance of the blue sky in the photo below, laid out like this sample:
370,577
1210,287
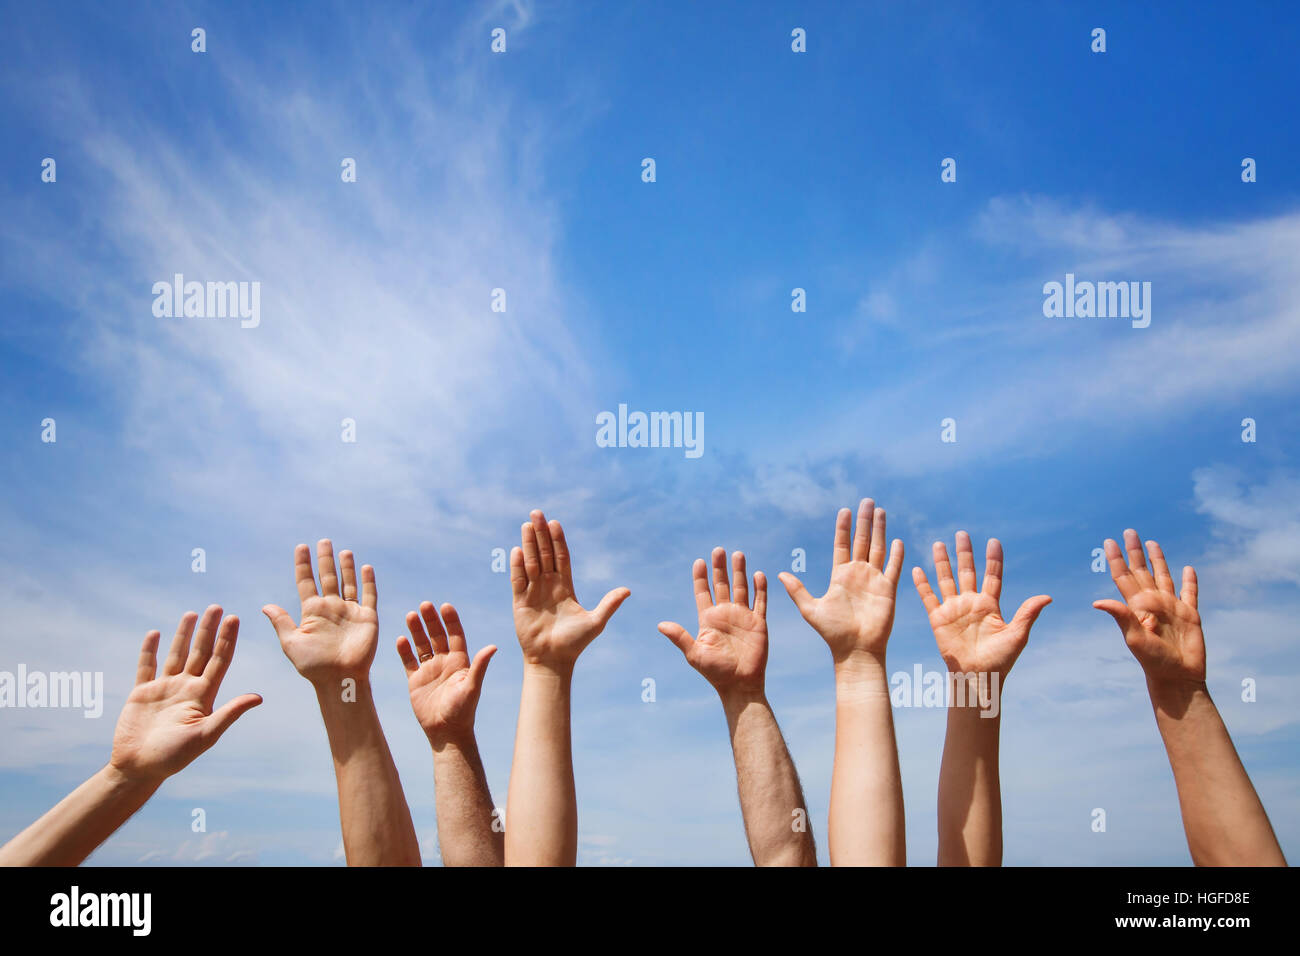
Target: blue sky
775,170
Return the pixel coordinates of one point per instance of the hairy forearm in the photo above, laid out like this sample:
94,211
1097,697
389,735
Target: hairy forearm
1223,818
376,822
865,822
542,807
771,800
466,835
970,795
80,822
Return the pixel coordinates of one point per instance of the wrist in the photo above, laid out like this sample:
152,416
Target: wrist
127,781
736,696
1174,695
451,739
859,667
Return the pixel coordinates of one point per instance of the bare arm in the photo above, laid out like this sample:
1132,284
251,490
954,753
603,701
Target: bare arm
1223,817
167,722
855,617
553,629
333,646
979,649
731,653
445,686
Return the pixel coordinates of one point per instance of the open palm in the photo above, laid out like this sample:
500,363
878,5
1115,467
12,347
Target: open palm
444,683
968,626
730,650
1160,627
856,614
168,719
552,627
337,635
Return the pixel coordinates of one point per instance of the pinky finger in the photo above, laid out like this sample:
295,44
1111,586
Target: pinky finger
1189,587
407,655
923,588
147,669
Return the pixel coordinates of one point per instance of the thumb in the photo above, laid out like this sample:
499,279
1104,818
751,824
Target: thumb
1029,611
1121,612
280,620
678,635
219,722
478,666
609,604
798,593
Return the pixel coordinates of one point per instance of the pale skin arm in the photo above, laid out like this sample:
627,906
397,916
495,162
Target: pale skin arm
553,629
167,722
333,646
854,617
731,654
445,686
973,639
1223,817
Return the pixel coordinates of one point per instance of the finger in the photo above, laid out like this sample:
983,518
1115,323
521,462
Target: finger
721,589
1028,612
895,566
804,601
1137,561
841,554
943,570
419,637
434,624
204,639
923,588
437,633
223,652
1160,567
678,635
862,533
409,661
1122,614
479,665
545,547
609,604
180,648
455,630
760,594
528,540
518,575
369,589
993,569
348,568
700,582
879,540
1189,594
966,577
739,581
147,667
329,577
1119,572
280,620
302,573
562,563
219,722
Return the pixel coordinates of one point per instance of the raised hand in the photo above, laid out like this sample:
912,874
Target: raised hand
552,627
968,624
168,719
855,615
338,634
731,648
1160,627
444,682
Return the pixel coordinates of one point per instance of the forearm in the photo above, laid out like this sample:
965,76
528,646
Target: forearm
542,806
80,822
1223,818
771,800
376,822
970,795
465,833
865,821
